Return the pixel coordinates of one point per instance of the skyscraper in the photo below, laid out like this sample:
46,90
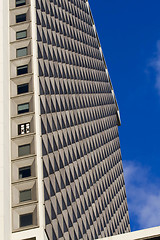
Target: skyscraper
60,167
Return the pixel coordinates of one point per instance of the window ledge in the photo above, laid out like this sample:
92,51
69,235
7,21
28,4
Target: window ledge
24,180
23,94
23,6
23,135
30,202
24,157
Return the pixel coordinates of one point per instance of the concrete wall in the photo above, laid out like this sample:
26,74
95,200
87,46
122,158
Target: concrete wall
4,125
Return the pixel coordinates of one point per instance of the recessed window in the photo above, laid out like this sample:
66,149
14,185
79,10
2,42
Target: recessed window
22,69
23,108
21,52
21,34
20,3
25,195
26,220
23,128
25,172
23,150
23,88
21,18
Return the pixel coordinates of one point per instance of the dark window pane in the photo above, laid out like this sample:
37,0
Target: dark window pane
22,70
26,220
21,52
20,3
23,128
21,18
23,88
23,150
21,34
25,172
25,195
23,108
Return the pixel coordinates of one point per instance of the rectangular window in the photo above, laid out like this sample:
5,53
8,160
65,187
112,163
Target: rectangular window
24,150
21,52
23,128
25,195
23,88
26,220
20,3
21,34
21,18
22,69
23,108
24,172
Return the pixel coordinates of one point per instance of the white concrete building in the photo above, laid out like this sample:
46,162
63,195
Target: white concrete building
61,174
145,234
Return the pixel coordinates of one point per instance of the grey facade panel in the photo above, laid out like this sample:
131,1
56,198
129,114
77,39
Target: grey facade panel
84,186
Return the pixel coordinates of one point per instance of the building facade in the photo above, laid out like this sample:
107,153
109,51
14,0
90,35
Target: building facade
145,234
61,169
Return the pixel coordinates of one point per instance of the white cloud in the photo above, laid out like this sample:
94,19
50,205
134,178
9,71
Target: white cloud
143,195
155,63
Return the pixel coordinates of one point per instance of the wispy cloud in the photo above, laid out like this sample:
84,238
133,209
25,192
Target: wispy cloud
143,195
155,63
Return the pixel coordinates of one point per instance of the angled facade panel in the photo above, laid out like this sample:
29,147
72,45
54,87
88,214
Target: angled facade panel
83,177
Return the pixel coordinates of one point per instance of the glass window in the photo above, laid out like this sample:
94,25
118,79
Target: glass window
23,128
23,88
25,195
25,172
23,108
21,34
23,150
22,52
22,70
26,220
20,3
21,18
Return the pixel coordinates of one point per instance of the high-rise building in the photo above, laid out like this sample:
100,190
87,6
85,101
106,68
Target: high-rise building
61,174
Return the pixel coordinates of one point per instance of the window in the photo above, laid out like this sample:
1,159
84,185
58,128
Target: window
22,69
21,52
21,18
23,88
23,108
20,3
25,195
23,128
23,150
24,172
26,220
21,34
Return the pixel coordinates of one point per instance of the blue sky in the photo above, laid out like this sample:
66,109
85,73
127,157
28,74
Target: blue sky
129,33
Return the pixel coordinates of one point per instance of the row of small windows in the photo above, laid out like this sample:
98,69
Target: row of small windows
25,220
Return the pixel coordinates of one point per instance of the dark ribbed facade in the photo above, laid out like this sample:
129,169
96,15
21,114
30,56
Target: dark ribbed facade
84,187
